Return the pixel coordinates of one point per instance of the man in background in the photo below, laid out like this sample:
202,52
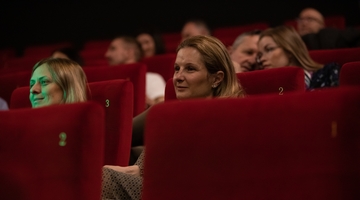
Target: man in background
244,50
194,27
126,50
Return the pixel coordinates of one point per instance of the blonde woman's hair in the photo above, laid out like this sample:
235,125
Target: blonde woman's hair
216,58
290,41
69,76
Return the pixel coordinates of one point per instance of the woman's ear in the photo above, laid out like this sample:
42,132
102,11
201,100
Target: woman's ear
218,78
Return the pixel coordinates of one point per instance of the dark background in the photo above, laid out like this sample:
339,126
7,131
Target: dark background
26,23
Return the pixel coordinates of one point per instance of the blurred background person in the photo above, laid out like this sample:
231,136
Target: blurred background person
127,50
194,27
244,51
151,43
282,46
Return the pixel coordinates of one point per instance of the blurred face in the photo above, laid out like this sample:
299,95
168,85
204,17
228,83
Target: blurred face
189,30
191,78
245,54
58,54
271,55
117,53
147,44
310,21
43,90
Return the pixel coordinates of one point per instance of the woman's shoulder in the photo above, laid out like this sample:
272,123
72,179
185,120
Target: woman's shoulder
328,76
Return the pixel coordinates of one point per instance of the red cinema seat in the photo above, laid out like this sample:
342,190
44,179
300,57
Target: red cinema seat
133,72
171,41
350,74
23,63
161,64
298,146
53,152
340,56
228,34
9,82
116,97
280,81
100,45
43,51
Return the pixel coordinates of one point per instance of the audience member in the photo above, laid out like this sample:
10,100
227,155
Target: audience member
311,26
3,104
310,21
57,81
68,53
203,69
194,27
282,46
151,43
244,51
126,50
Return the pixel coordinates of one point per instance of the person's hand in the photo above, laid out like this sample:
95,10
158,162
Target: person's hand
133,169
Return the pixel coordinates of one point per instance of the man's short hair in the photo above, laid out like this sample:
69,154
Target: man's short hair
241,37
131,42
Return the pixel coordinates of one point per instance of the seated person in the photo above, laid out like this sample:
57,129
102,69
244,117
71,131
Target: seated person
203,69
57,81
151,43
68,53
282,46
194,27
310,21
244,51
316,35
126,50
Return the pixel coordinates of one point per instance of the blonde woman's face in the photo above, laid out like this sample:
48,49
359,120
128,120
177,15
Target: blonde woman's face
191,78
43,90
271,55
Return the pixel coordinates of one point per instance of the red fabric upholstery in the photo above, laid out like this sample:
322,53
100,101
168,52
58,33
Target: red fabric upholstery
133,72
350,74
24,63
116,96
298,146
39,161
43,51
340,56
228,34
171,41
271,81
9,82
161,64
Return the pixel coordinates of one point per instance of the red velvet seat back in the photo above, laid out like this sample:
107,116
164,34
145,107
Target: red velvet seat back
116,97
133,72
52,152
298,146
271,81
161,64
340,56
10,81
350,74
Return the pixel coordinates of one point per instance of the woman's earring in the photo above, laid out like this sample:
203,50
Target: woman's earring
214,86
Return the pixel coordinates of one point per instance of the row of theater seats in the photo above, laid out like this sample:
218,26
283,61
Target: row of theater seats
162,64
279,145
95,49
